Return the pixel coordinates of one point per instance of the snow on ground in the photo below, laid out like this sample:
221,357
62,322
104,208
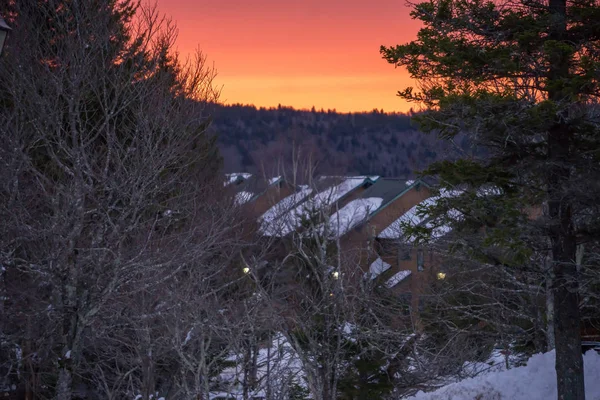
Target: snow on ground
535,381
378,267
352,214
278,363
413,217
397,278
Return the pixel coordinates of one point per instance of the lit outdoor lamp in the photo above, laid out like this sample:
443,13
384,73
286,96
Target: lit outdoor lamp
4,29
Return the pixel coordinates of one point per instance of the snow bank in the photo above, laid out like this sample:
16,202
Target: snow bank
535,381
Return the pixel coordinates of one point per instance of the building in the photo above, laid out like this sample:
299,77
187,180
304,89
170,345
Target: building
359,213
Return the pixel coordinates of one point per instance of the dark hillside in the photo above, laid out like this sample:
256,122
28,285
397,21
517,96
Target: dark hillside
367,143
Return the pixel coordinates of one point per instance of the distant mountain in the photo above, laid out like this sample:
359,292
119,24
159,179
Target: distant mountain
263,139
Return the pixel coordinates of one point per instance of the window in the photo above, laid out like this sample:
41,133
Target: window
420,260
406,254
403,252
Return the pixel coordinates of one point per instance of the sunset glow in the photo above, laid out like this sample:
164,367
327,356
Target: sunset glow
302,53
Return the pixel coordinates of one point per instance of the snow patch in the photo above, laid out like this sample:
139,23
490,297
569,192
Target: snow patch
279,362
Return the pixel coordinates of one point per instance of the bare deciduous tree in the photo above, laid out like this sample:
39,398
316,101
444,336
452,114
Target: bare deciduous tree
115,222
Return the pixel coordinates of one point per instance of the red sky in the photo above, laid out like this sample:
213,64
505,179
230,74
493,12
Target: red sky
299,53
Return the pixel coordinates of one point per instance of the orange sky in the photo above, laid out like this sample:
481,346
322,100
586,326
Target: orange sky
299,53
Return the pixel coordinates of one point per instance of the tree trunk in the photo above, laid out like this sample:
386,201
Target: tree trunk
268,374
550,342
64,385
565,285
567,331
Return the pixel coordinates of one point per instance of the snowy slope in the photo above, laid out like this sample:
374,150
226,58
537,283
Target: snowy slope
535,381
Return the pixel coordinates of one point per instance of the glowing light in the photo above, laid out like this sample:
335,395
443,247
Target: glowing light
246,270
336,275
441,275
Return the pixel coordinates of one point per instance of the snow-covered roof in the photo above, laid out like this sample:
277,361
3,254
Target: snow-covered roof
334,193
378,267
342,177
397,278
276,218
234,176
243,197
274,180
291,220
413,217
352,214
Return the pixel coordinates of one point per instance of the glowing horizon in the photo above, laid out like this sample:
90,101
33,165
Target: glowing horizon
321,53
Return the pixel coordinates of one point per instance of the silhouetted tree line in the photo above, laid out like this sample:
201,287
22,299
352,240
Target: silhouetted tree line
356,143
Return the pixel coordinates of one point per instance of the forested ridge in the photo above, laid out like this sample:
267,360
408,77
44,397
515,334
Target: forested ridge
387,144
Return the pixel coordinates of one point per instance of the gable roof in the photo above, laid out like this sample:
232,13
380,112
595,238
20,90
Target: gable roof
249,187
394,188
325,193
236,177
286,216
386,189
414,217
352,214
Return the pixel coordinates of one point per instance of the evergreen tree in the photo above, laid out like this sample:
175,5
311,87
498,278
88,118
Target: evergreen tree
521,78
